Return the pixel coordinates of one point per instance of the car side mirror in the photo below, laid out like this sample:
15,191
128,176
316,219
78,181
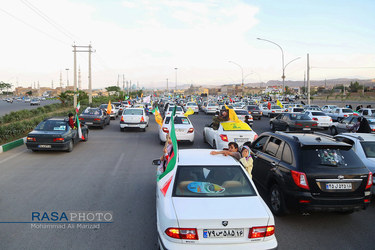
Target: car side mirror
156,162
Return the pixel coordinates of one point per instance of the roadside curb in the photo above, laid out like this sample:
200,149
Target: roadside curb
10,145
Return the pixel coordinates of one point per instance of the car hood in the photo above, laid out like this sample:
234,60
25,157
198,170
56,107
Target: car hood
208,212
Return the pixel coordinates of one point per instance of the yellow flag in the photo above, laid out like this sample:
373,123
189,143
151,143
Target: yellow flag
232,115
278,103
158,118
109,107
189,112
141,95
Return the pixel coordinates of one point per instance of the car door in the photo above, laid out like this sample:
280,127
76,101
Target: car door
209,133
342,126
276,121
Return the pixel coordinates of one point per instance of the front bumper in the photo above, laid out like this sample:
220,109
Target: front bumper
133,125
49,146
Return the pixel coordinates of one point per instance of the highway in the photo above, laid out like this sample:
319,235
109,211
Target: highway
6,107
112,171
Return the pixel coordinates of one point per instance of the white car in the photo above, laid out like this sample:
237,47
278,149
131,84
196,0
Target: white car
228,132
114,110
183,127
367,111
241,114
179,110
338,114
211,108
134,118
274,111
328,108
27,100
364,147
193,106
212,203
323,120
294,110
34,101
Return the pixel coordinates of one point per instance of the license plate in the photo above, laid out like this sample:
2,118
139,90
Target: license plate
240,139
180,130
324,124
223,233
88,123
44,146
306,129
338,186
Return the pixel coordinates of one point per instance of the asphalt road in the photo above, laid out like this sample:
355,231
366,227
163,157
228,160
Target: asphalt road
112,171
6,108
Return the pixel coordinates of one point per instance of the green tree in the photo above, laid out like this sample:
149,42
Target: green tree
113,89
354,87
30,93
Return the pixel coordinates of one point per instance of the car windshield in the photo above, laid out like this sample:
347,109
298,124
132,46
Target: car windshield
52,125
177,109
330,157
212,105
133,112
299,117
347,111
191,104
92,112
177,120
212,181
369,148
318,114
103,106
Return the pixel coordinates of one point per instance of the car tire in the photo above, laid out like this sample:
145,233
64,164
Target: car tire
214,144
102,126
162,142
122,129
287,129
109,122
272,126
85,135
143,129
333,130
34,150
276,201
259,118
192,143
204,137
70,146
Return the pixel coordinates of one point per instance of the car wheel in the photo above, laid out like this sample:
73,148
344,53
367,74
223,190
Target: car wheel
70,146
334,131
102,126
272,127
287,129
162,142
109,122
122,129
34,150
204,137
85,135
259,118
214,144
276,201
143,129
269,115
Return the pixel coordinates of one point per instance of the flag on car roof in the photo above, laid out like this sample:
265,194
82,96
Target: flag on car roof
278,103
165,179
158,117
188,112
109,107
232,114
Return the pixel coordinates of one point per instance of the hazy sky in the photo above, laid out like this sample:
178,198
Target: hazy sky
146,39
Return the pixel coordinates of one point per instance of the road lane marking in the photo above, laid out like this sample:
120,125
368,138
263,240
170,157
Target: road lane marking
12,156
118,164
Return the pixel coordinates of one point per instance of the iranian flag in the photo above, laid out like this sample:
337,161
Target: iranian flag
80,135
164,180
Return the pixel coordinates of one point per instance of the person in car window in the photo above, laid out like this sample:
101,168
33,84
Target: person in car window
71,121
166,152
246,159
232,151
222,117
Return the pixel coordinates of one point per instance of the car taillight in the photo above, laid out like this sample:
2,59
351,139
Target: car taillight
261,232
300,179
315,119
249,112
182,233
122,118
345,115
373,129
191,130
261,113
273,111
224,138
314,124
31,139
81,119
255,137
97,119
369,181
298,124
142,119
58,139
330,119
165,130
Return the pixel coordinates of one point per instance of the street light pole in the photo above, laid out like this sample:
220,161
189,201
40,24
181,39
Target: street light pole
176,79
242,78
67,78
282,59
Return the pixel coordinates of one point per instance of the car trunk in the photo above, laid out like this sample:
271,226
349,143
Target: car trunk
305,124
132,118
45,136
87,118
213,217
240,137
181,130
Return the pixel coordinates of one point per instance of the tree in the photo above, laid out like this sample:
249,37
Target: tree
354,87
64,97
113,89
29,93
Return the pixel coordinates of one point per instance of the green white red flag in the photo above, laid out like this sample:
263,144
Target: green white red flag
164,180
80,135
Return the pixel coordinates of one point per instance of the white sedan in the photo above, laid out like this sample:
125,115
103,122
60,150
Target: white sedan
212,203
228,132
323,120
134,118
211,108
193,106
183,127
241,114
179,110
273,111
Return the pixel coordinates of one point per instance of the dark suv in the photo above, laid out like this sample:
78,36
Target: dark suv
309,172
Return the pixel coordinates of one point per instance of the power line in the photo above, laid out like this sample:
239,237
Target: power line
342,67
37,29
49,20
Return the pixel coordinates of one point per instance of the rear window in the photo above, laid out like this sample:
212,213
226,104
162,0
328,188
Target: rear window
299,117
318,114
92,112
103,106
177,109
347,111
330,157
369,148
133,112
298,109
177,120
211,105
253,108
212,181
275,107
52,125
241,112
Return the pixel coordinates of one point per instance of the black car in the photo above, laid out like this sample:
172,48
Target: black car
255,111
55,134
292,122
95,117
309,172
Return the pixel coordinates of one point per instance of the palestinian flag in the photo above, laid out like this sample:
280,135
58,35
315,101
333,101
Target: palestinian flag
164,180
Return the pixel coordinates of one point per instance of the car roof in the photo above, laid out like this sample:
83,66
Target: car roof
203,157
359,136
311,139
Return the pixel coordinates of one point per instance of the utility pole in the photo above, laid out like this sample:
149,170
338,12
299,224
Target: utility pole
304,83
308,80
52,84
176,78
127,87
167,87
118,81
61,83
79,79
123,82
67,78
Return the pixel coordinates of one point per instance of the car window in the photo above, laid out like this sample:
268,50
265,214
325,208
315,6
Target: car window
287,156
330,157
177,120
298,110
259,143
369,148
347,111
241,112
92,112
365,112
318,114
133,112
299,117
52,125
212,181
273,146
346,120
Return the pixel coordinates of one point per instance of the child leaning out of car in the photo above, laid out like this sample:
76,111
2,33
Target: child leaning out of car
246,159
